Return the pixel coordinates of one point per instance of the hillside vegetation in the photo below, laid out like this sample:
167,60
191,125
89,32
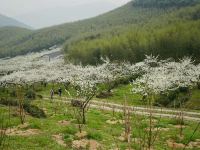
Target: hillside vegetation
130,29
172,34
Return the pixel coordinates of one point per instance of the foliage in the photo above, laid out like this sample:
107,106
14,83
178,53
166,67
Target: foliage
172,41
95,135
30,94
34,111
110,24
164,3
31,109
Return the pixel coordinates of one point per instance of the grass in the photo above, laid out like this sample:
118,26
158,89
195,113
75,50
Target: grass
123,92
119,94
96,127
194,102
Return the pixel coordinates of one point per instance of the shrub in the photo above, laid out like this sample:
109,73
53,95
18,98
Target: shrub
31,109
30,94
13,93
68,138
173,99
104,94
198,85
71,130
40,96
95,136
34,111
9,101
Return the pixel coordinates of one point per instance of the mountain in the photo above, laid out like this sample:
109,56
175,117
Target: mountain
142,16
7,21
66,13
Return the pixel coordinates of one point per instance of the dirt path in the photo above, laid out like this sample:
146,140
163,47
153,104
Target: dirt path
157,112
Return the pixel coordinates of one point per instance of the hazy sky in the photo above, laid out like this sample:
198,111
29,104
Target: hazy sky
42,13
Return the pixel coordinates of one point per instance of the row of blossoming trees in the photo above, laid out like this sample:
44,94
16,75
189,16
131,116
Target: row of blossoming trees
154,76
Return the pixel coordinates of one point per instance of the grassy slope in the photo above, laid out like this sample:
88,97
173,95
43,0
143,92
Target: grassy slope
9,35
112,21
172,34
123,92
97,128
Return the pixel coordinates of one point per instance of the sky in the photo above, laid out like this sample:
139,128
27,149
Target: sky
43,13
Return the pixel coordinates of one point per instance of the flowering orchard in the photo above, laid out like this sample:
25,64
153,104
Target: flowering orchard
155,75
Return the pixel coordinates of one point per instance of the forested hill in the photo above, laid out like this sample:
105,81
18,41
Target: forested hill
138,15
10,22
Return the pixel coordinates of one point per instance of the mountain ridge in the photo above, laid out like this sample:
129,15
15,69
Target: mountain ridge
6,21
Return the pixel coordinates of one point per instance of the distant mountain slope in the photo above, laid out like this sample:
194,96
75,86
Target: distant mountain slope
12,36
7,21
114,22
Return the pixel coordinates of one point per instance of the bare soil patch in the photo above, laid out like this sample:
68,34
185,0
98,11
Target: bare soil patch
157,129
179,126
112,122
64,122
28,132
193,144
18,131
59,139
81,135
174,145
84,143
122,137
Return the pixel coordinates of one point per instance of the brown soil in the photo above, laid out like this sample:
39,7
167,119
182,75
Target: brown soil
28,132
59,139
154,121
45,110
22,126
191,145
112,122
122,137
174,145
194,144
63,122
17,131
179,126
157,129
81,135
84,143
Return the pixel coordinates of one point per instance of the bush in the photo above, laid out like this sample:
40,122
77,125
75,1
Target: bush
9,101
173,99
198,85
13,93
95,136
34,111
30,94
68,138
40,96
71,130
31,109
104,94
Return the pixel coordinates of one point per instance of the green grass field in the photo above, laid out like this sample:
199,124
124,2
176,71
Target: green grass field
97,128
122,93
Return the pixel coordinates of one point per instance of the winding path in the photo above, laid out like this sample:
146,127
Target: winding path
156,112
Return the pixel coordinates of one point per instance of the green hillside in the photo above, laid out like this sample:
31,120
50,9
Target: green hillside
168,32
133,16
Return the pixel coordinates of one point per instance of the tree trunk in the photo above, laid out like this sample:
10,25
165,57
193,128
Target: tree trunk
83,116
